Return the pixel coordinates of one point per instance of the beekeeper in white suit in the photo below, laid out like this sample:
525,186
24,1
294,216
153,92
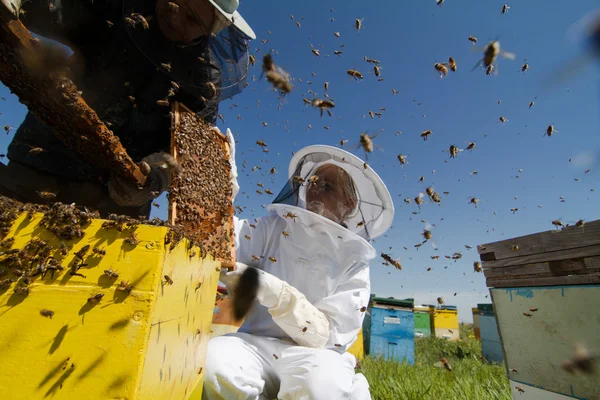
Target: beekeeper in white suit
311,301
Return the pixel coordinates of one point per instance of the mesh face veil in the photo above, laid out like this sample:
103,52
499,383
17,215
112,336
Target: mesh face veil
334,184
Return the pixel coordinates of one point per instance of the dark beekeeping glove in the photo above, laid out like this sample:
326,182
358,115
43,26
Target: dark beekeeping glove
158,168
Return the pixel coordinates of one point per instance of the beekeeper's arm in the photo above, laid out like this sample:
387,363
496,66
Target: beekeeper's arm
333,321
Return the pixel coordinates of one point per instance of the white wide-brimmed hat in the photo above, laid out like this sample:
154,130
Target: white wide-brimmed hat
376,205
228,9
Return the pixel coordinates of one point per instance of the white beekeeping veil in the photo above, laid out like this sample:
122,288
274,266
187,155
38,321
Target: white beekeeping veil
335,184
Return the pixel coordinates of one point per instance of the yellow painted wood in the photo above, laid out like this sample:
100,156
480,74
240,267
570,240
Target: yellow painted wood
476,330
537,346
138,345
358,347
445,324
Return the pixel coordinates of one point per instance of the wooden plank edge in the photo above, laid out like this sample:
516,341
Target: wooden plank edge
576,266
551,240
579,252
570,280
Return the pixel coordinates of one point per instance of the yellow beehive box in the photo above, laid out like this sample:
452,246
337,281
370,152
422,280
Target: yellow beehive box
358,347
148,342
445,324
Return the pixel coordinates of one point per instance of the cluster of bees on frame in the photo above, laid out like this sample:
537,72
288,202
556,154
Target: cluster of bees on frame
60,256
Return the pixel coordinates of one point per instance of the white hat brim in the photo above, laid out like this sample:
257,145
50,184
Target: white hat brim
236,19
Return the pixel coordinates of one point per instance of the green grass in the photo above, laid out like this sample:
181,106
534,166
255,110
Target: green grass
471,376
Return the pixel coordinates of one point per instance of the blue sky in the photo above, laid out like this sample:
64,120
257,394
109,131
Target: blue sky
408,37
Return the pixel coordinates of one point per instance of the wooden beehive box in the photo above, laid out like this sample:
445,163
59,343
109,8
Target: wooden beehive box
148,342
545,289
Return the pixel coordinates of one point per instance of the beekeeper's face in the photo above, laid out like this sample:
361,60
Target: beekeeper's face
332,193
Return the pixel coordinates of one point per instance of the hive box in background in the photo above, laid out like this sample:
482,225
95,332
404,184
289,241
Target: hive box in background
391,329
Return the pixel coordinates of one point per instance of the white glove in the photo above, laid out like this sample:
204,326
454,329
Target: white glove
231,278
234,183
290,309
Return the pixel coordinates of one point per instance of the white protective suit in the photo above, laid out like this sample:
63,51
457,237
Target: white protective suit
293,342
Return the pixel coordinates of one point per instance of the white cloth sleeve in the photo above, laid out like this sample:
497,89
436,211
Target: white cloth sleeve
293,313
244,248
346,307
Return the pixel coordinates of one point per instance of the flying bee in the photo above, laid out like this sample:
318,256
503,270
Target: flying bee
453,150
515,247
474,201
285,234
441,68
435,197
452,64
163,103
298,179
419,199
366,142
581,360
298,24
313,179
273,171
390,260
490,54
402,159
525,67
252,59
471,146
472,39
502,119
426,234
279,81
440,3
336,34
425,134
377,70
168,280
580,223
315,52
343,142
273,259
358,24
557,223
514,210
505,8
338,53
261,143
445,363
519,389
429,191
394,91
477,266
440,300
326,86
323,105
47,313
355,74
550,130
489,69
